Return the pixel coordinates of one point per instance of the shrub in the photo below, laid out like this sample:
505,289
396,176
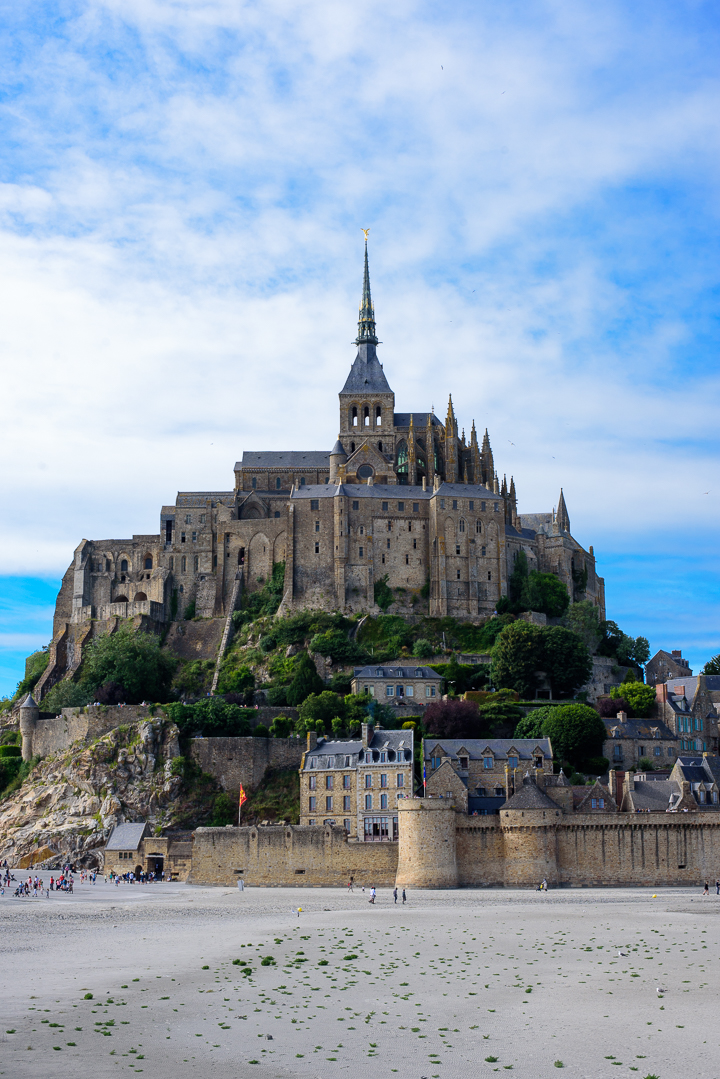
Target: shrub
453,719
235,679
610,706
267,643
276,696
10,751
383,594
225,811
66,695
422,649
530,726
320,709
35,666
281,727
645,764
111,693
212,717
335,644
190,611
596,766
260,731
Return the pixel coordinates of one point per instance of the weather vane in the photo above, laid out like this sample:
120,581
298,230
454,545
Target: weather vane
365,231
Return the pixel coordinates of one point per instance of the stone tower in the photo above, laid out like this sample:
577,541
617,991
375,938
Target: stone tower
426,846
529,822
29,715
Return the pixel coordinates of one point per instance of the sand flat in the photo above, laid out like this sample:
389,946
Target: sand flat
430,990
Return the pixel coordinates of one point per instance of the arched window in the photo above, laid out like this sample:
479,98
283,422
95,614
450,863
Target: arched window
241,556
195,563
354,417
140,597
148,562
478,527
183,564
120,599
378,417
352,447
123,566
366,416
402,463
462,525
380,446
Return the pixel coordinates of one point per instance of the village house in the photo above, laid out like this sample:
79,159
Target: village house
398,685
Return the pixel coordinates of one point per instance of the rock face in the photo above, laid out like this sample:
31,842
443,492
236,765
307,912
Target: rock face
69,804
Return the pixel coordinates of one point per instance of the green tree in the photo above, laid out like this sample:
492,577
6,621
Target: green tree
566,660
236,679
305,681
583,619
66,695
498,714
712,666
281,727
35,665
134,661
335,644
517,657
546,593
640,697
318,710
576,733
211,717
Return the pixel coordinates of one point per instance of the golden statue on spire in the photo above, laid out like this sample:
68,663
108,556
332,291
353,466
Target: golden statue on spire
365,231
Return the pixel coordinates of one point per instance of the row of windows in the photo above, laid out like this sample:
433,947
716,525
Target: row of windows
703,797
406,691
183,563
189,519
346,806
347,781
97,567
367,755
688,723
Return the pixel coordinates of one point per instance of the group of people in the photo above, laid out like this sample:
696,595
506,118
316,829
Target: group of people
373,892
133,878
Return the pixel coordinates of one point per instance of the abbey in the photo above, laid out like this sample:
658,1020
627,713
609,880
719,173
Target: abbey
402,498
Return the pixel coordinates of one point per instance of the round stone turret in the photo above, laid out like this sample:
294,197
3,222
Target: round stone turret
426,843
338,457
529,822
29,715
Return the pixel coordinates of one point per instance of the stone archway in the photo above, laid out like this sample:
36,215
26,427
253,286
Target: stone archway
259,560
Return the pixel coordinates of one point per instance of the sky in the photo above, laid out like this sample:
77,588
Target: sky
182,188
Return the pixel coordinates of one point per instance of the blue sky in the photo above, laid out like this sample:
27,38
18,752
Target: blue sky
182,186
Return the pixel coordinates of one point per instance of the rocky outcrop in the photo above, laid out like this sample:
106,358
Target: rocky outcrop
71,801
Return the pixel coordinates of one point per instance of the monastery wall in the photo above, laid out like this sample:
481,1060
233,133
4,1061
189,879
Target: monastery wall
81,724
285,856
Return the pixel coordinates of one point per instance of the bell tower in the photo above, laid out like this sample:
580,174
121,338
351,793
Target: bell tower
367,404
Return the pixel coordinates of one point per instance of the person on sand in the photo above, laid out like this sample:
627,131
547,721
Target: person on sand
544,886
395,893
404,897
372,894
350,884
717,887
706,889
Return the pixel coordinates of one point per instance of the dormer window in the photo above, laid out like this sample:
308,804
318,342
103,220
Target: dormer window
488,763
463,762
513,762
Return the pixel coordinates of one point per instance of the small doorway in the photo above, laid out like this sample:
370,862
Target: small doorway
156,864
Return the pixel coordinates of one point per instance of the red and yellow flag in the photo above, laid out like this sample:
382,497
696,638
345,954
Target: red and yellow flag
243,796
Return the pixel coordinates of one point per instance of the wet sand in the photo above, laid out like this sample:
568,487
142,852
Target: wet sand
459,983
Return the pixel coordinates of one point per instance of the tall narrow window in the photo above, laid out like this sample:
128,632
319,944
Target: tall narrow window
354,418
183,564
378,416
195,563
366,416
278,483
148,562
172,563
123,566
254,482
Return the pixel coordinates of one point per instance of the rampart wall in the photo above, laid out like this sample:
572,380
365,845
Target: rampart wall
235,761
81,724
285,856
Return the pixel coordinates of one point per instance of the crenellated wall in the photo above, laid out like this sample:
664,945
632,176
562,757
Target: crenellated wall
284,856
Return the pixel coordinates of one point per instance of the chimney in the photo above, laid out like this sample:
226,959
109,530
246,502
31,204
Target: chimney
424,483
622,716
661,692
612,783
311,741
677,653
367,734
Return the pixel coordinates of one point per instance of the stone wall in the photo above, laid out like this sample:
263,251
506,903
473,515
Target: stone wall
81,724
233,761
283,856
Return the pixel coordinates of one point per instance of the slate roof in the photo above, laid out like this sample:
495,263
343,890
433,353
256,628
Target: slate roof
126,837
402,419
29,702
199,498
394,492
529,796
654,796
366,374
390,671
526,533
498,746
639,728
381,739
283,459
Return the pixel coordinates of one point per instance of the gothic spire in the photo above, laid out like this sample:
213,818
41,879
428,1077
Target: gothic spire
366,321
562,517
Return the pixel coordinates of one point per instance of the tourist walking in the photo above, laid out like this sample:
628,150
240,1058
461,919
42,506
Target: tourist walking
404,896
706,889
372,894
717,887
395,893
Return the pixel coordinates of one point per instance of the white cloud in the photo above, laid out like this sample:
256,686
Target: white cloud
180,252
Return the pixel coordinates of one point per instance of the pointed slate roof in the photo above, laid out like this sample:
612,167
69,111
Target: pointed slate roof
29,702
530,797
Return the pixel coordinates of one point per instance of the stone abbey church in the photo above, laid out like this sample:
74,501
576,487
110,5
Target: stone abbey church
401,496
